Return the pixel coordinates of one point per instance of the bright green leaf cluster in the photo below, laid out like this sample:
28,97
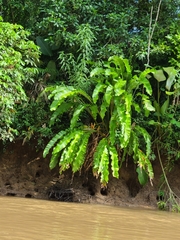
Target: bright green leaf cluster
18,59
110,112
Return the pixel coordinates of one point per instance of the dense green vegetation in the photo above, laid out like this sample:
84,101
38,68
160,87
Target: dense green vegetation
106,86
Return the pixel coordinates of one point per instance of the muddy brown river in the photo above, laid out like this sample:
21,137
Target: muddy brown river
31,219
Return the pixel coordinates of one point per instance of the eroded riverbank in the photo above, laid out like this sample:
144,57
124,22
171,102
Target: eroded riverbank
25,173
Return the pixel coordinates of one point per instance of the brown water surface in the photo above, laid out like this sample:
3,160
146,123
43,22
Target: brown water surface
30,219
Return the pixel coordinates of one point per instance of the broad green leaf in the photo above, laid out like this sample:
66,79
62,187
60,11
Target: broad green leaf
100,88
73,148
119,87
44,47
103,109
136,107
108,94
122,121
157,107
165,106
147,105
97,154
62,93
106,101
143,80
63,162
142,175
152,122
93,111
128,67
172,72
159,75
135,144
51,69
175,122
53,141
54,160
64,107
111,72
113,124
81,153
84,94
114,161
63,142
119,63
97,71
170,93
128,102
133,84
76,115
54,105
142,131
145,163
104,165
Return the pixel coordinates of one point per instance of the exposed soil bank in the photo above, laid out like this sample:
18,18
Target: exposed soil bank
25,173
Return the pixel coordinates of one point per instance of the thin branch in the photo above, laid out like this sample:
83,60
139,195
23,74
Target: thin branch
151,31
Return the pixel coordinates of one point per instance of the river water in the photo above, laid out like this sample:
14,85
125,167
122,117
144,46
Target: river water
31,219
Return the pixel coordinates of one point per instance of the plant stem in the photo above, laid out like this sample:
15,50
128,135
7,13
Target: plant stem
171,194
151,32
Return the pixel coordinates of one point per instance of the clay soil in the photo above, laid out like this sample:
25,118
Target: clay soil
25,173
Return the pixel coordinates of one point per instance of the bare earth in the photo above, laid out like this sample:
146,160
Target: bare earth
25,173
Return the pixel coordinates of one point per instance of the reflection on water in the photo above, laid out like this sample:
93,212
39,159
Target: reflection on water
28,219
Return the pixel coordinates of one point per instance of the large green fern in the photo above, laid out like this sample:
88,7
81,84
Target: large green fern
110,112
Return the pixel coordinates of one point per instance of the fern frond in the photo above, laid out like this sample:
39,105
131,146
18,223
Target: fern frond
97,154
127,118
147,105
143,80
114,161
119,63
110,71
80,154
136,107
96,72
69,153
54,105
128,68
64,142
104,165
63,161
124,118
60,94
142,131
113,124
84,94
54,160
76,115
119,87
142,175
108,94
133,84
100,88
53,141
103,108
93,111
134,145
145,163
64,107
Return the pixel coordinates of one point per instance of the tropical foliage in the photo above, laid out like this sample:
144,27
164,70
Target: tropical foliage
102,109
18,65
109,113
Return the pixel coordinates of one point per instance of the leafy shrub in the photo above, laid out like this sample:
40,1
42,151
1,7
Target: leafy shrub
108,135
18,60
